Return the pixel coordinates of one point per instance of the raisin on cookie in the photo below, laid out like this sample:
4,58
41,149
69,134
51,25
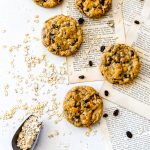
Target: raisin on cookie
83,106
62,35
120,64
47,3
93,8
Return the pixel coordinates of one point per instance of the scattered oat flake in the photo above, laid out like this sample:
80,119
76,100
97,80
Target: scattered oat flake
9,114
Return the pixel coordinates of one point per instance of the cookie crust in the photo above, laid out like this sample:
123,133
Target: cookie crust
62,35
47,3
93,8
83,106
120,64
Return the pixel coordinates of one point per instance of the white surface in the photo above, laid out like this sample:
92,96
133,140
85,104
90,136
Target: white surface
14,17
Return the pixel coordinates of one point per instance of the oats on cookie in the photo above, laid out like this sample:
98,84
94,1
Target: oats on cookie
83,106
120,64
62,35
47,3
94,8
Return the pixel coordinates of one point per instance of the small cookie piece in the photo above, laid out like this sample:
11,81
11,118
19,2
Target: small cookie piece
120,64
83,106
94,8
47,3
62,35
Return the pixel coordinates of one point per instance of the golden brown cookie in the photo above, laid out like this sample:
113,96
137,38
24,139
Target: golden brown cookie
83,106
120,64
62,35
47,3
94,8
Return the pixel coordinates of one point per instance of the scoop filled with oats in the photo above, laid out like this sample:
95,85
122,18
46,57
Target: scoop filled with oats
27,135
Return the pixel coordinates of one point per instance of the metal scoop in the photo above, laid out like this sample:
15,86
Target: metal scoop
15,137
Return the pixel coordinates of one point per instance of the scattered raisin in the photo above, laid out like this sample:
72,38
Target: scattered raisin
81,77
106,93
80,20
54,26
136,22
129,134
90,63
105,115
116,112
102,48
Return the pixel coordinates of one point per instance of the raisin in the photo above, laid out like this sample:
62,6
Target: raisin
58,47
105,115
125,75
54,26
90,63
129,134
87,100
109,59
102,48
74,42
102,2
80,20
132,53
81,77
88,10
53,50
77,117
106,93
116,112
51,34
136,22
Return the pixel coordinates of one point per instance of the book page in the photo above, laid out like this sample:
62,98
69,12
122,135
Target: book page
136,95
146,9
131,9
97,32
127,121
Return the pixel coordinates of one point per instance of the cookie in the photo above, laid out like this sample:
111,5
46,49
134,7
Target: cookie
47,3
120,64
93,8
83,106
62,35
